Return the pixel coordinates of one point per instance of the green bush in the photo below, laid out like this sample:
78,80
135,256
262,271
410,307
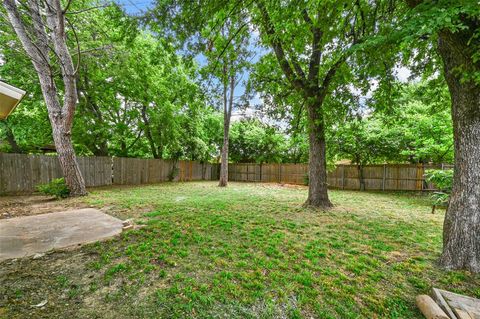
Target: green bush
443,180
306,179
56,187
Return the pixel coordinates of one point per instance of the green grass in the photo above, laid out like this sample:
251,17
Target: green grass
247,251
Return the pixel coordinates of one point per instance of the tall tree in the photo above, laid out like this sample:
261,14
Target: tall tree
219,30
312,42
456,27
224,39
231,48
41,28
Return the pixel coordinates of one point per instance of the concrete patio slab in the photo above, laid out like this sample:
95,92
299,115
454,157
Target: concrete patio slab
26,236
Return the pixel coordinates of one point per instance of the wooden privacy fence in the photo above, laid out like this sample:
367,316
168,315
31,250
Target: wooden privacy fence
20,173
371,177
128,171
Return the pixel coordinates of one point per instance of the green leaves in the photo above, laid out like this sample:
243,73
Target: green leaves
254,142
415,127
442,179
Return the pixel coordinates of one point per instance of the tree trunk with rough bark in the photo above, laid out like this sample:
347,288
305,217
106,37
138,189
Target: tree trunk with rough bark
461,228
317,164
68,161
38,45
224,160
461,231
227,114
61,132
314,86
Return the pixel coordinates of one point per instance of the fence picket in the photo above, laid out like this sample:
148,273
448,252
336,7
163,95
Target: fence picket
20,173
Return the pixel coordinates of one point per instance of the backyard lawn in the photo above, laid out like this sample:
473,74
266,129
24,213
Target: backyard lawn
247,251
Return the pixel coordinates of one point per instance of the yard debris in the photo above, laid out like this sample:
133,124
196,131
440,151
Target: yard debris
429,308
38,255
448,305
41,304
128,224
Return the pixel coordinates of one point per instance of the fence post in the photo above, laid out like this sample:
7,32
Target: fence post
260,172
360,178
423,176
419,177
397,176
343,176
384,176
279,173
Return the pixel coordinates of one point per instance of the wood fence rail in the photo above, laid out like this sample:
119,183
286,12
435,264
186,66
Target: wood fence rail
387,177
20,173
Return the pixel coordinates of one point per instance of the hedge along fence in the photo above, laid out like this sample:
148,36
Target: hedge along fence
20,173
387,177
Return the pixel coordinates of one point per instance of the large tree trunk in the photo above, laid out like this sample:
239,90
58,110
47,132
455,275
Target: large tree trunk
227,114
224,161
461,232
317,165
68,161
61,131
39,44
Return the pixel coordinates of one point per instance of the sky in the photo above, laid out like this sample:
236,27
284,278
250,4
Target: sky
135,7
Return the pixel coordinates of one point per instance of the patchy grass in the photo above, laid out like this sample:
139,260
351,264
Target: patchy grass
247,251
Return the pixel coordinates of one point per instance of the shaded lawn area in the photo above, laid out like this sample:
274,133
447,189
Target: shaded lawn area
248,251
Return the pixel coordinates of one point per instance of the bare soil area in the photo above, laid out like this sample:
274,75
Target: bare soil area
28,205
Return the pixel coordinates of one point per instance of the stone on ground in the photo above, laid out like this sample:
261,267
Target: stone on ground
33,235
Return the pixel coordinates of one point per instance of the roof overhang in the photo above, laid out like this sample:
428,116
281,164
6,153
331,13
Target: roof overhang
10,96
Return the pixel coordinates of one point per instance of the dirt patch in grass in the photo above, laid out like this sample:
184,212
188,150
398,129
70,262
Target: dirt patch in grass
27,205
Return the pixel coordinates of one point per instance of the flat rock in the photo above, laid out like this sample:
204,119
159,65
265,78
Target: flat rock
33,235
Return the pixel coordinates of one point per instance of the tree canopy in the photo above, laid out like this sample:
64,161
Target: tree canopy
143,93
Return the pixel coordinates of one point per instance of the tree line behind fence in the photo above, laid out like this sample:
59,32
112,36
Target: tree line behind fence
20,173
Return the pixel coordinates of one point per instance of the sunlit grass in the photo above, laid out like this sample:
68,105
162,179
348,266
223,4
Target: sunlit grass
247,251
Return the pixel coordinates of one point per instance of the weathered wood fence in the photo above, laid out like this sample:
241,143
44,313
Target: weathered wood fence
388,177
20,173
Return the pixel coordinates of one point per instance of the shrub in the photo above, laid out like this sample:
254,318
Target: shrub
56,187
306,179
443,180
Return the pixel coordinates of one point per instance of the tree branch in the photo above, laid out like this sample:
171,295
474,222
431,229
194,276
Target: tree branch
330,75
293,78
56,21
314,64
20,30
